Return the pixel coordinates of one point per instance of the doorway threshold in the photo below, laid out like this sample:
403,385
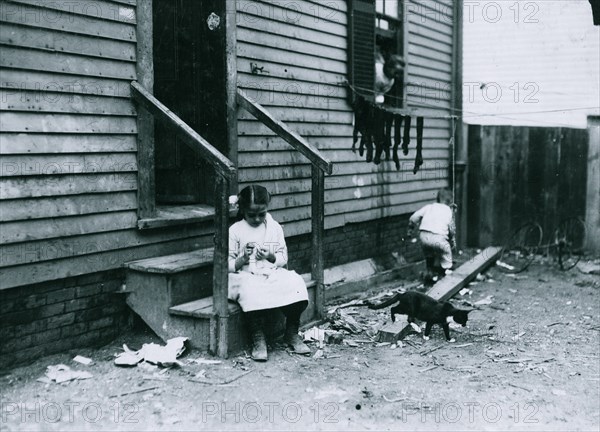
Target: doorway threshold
167,216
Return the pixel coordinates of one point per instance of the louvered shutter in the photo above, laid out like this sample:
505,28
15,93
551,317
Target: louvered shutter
362,46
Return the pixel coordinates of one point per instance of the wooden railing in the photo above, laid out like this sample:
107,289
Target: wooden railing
320,166
226,171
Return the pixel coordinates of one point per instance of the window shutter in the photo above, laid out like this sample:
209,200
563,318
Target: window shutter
362,47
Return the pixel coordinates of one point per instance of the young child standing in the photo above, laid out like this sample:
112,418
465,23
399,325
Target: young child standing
258,280
437,233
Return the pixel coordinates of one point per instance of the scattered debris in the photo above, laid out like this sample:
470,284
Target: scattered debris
589,267
343,321
429,351
427,369
333,337
223,382
204,361
315,334
145,389
465,291
520,387
153,353
355,302
518,336
367,393
62,373
485,301
83,360
559,392
463,345
505,265
318,354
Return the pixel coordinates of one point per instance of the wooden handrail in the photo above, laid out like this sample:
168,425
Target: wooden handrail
226,170
220,163
281,129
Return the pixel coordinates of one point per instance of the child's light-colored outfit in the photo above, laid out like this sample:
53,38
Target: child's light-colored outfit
436,230
269,285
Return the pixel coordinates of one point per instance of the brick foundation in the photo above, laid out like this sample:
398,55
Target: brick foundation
354,242
56,316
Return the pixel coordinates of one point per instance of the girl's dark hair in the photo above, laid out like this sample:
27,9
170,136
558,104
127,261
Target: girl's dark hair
253,194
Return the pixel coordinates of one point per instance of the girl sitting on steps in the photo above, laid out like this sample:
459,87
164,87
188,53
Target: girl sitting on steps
258,280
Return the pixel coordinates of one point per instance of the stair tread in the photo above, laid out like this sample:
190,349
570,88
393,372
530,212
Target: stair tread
174,263
203,308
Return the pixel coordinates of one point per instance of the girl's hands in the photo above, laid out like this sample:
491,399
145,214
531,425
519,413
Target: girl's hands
265,254
247,252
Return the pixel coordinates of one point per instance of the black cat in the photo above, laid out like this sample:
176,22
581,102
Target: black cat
424,308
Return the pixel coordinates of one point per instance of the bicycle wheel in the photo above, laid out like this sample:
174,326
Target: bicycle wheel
520,249
568,239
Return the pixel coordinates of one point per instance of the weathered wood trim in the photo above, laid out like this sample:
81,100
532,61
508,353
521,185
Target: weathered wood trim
220,163
299,143
220,268
231,85
318,237
145,137
592,213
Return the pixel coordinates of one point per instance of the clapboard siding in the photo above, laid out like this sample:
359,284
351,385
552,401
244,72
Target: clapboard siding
102,9
20,143
68,127
303,84
46,185
38,38
58,207
17,80
35,16
49,102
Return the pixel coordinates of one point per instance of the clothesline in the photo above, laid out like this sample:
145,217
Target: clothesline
361,90
401,111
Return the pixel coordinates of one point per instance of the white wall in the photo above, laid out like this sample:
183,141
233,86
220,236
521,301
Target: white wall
538,62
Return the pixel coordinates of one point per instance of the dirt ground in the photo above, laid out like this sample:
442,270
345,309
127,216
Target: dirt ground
528,361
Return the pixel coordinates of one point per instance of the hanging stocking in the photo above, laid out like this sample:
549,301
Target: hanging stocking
389,123
406,138
419,157
397,138
379,135
370,129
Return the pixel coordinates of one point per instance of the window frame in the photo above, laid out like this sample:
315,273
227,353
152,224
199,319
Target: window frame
396,97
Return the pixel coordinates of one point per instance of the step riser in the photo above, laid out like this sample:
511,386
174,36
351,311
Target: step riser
177,288
150,303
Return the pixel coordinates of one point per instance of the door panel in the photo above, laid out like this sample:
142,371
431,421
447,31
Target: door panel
189,67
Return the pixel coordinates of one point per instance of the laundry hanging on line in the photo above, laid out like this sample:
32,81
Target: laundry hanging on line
374,125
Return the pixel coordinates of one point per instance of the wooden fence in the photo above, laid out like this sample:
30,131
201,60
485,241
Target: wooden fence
519,174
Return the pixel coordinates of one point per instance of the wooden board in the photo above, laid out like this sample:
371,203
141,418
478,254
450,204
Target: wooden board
443,290
451,284
173,263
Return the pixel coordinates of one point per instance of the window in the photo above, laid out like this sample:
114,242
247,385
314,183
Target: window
377,32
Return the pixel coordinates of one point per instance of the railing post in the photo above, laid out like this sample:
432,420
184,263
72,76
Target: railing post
318,232
220,270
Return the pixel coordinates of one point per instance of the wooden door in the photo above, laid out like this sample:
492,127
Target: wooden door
189,78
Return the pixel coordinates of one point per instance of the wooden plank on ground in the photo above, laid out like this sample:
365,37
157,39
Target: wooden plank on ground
443,290
451,284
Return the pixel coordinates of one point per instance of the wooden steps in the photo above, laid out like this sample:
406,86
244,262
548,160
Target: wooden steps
174,263
203,308
173,295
